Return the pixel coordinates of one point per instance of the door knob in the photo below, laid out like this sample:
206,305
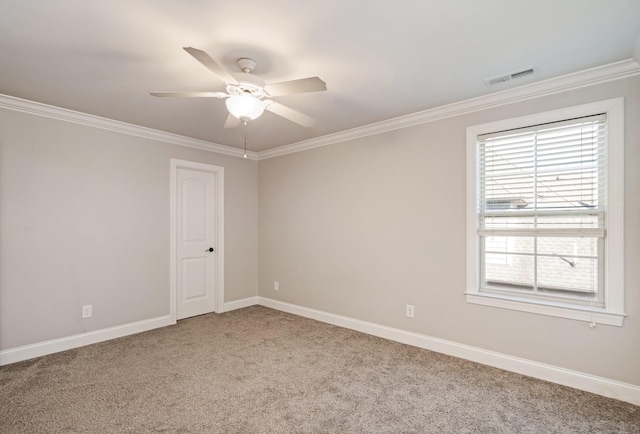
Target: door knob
210,249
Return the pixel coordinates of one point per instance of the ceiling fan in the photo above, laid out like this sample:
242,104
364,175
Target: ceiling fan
247,95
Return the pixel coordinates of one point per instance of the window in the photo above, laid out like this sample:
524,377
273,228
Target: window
545,213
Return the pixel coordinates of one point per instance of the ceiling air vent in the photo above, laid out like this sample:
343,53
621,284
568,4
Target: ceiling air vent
511,76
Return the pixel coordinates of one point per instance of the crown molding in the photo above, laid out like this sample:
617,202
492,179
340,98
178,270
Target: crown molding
588,77
39,109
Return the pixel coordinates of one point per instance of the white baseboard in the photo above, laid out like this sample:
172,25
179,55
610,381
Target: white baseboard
239,304
578,380
25,352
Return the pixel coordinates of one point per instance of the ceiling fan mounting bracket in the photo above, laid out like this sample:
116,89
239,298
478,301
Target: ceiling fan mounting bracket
247,65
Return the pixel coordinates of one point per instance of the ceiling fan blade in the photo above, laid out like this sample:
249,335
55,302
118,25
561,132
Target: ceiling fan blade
290,114
232,121
311,84
211,64
192,94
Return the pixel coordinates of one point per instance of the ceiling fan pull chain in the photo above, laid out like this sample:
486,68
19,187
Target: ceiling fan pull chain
245,138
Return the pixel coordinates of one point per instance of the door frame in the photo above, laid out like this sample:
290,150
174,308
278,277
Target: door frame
218,173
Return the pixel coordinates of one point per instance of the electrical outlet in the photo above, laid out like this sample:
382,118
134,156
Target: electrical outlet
410,310
87,311
276,286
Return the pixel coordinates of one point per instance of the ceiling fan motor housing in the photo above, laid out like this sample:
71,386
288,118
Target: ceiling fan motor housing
247,84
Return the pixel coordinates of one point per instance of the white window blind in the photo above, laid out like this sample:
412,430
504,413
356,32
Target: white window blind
541,209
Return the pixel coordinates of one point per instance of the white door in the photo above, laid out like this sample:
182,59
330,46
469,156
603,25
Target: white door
196,249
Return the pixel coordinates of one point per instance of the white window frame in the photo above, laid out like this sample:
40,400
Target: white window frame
613,311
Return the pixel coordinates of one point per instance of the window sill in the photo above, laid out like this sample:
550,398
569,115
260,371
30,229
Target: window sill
595,315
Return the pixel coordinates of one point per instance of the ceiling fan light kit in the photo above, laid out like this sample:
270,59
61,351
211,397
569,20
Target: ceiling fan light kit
245,92
245,107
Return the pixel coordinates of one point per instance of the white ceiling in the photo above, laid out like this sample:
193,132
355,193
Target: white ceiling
380,58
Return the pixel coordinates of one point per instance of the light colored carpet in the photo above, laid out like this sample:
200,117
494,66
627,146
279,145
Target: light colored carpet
257,370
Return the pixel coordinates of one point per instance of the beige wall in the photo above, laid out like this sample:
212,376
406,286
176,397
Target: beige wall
359,229
84,219
364,227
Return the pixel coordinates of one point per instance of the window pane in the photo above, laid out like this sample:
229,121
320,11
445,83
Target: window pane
568,248
568,162
516,273
495,244
507,168
500,250
563,188
557,276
